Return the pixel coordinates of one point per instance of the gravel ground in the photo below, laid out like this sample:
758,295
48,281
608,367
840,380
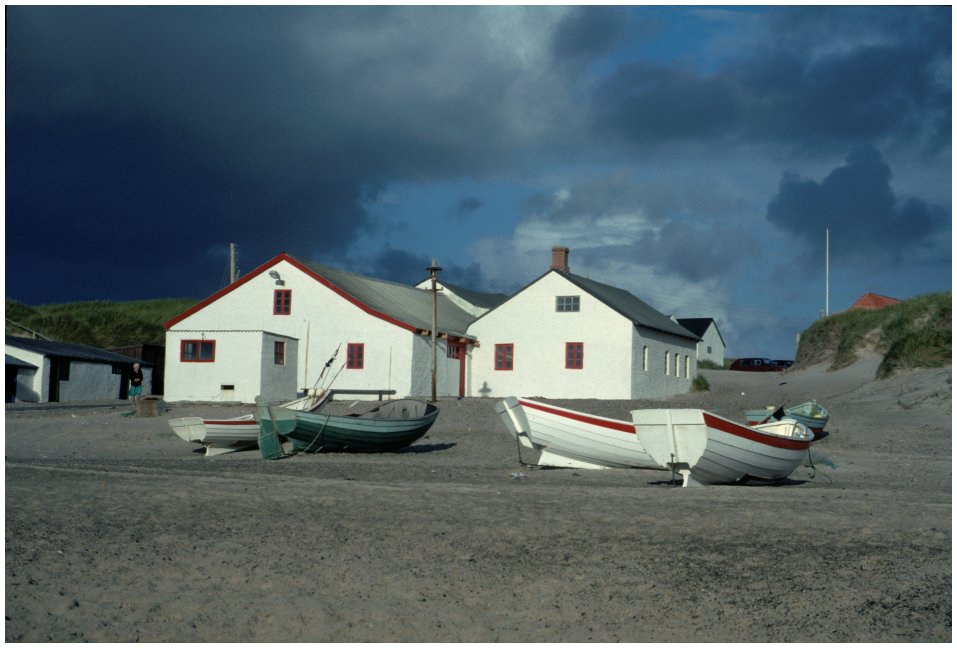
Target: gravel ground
117,530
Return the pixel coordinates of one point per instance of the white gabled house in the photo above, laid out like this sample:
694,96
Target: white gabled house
711,347
272,332
567,336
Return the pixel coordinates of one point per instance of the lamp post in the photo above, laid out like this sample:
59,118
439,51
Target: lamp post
433,274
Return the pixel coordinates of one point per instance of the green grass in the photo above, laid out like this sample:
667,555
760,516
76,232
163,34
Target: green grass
99,323
914,333
709,364
700,384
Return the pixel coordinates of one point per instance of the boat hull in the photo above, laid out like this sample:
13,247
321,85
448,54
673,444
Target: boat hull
709,449
571,439
387,428
219,436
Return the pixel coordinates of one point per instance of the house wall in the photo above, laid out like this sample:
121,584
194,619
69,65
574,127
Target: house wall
711,339
243,367
446,369
32,385
539,334
277,382
90,381
652,379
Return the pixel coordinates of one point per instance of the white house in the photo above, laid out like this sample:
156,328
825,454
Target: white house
272,332
50,372
567,336
711,347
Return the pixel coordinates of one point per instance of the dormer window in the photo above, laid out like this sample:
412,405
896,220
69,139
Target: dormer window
567,304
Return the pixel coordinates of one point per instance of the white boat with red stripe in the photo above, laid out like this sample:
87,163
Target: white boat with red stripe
219,436
570,439
705,448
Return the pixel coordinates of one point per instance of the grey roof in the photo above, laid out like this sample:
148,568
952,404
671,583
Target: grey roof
17,362
627,305
483,300
406,304
699,325
72,351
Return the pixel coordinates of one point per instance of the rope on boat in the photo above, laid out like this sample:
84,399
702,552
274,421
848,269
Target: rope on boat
317,437
814,468
518,446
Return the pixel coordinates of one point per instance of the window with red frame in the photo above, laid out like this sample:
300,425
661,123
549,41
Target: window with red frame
574,355
504,354
197,350
279,352
355,356
282,302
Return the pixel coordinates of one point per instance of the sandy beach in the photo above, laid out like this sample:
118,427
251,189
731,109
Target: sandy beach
117,530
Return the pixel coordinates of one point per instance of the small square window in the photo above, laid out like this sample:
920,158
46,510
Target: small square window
567,304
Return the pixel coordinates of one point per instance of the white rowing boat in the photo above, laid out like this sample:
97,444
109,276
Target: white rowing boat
570,439
705,448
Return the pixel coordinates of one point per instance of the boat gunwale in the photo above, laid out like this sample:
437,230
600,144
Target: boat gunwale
591,419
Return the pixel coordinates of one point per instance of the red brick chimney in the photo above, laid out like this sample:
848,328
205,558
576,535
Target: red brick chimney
560,258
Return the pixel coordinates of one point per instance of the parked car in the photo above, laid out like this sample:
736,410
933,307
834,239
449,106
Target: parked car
785,364
755,364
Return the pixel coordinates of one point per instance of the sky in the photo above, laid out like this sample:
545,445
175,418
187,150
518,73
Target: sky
756,165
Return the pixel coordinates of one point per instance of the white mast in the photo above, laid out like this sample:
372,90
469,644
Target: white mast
827,271
233,270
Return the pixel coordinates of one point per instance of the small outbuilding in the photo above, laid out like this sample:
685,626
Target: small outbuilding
51,372
711,347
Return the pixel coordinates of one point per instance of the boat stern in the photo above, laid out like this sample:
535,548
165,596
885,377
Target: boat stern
513,417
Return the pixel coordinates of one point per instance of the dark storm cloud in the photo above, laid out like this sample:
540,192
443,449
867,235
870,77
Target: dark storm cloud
820,79
408,268
856,202
154,134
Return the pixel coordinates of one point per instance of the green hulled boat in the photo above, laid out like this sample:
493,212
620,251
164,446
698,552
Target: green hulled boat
390,426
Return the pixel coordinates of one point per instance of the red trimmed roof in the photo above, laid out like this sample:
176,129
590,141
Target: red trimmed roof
873,301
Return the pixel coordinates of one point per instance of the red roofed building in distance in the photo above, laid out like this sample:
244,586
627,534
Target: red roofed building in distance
873,301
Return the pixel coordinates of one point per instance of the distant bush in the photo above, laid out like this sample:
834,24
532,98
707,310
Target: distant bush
700,384
709,364
910,334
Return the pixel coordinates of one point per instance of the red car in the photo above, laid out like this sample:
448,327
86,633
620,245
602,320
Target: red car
755,364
